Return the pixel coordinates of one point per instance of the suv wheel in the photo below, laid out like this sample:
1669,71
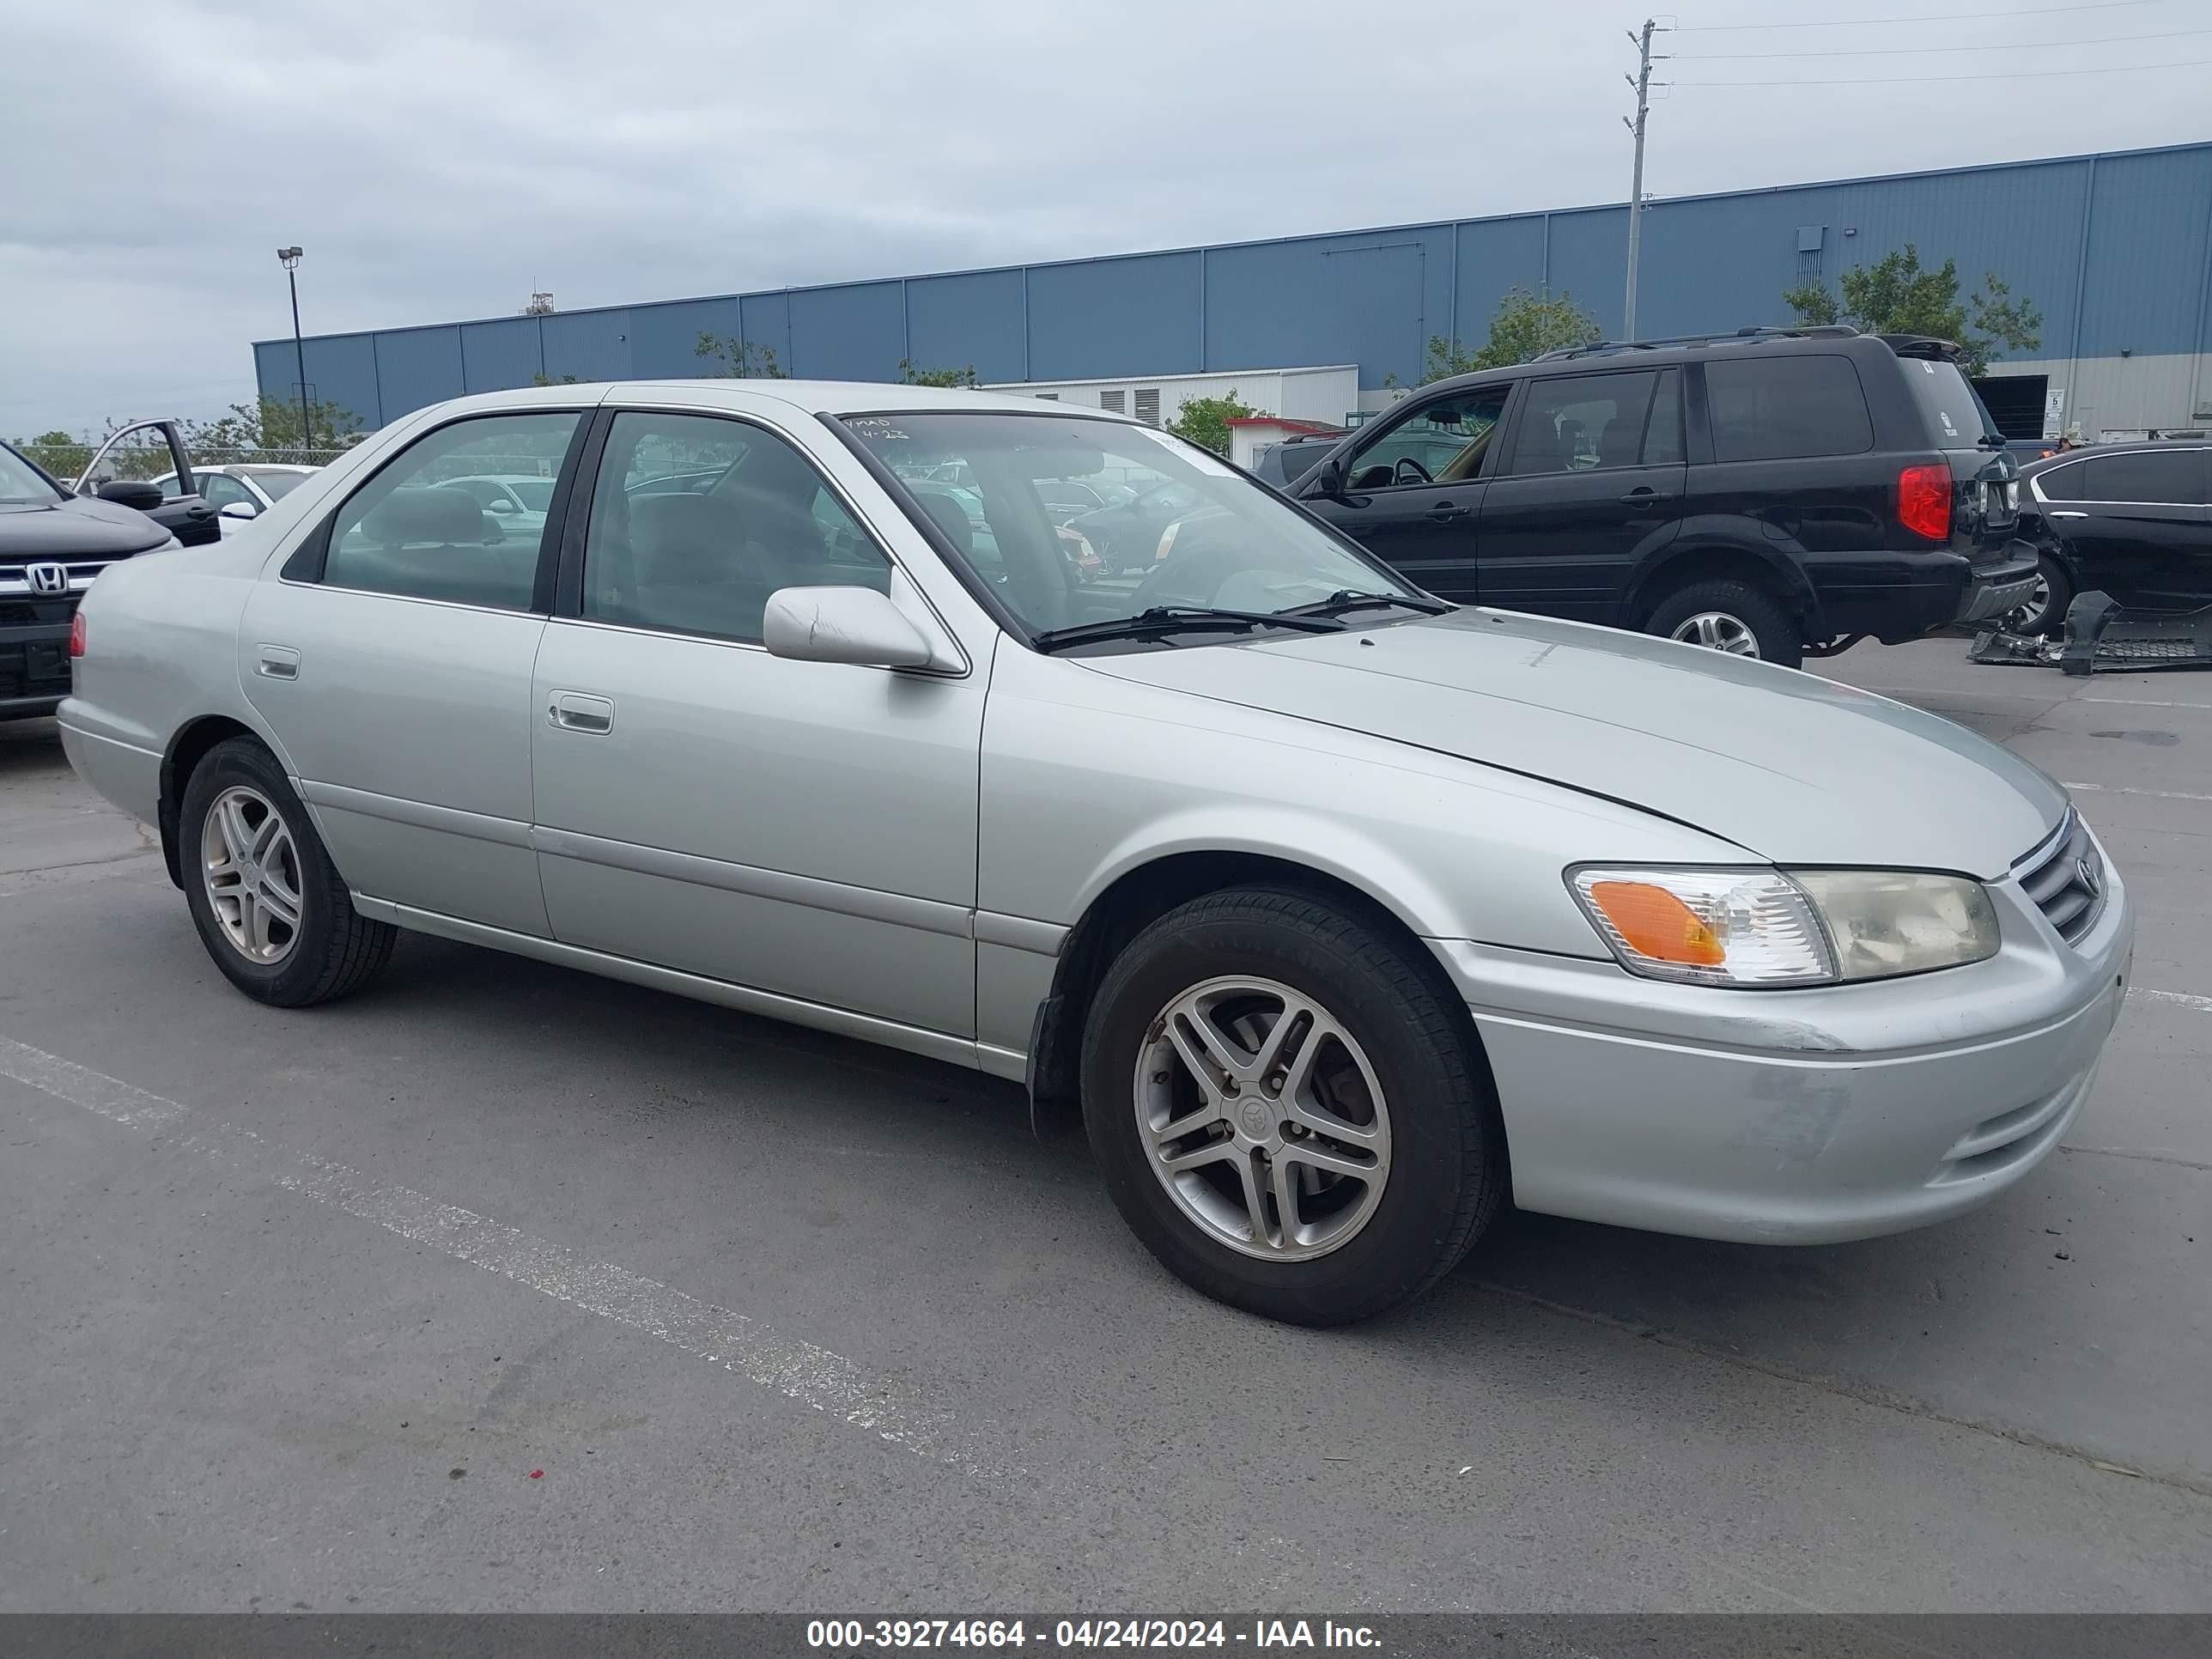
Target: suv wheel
269,906
1285,1110
1731,616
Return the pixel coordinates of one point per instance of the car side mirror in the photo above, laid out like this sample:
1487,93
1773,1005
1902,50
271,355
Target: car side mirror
854,625
131,492
1326,481
500,507
241,510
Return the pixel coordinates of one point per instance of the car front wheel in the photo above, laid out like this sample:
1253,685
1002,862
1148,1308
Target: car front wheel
1287,1111
270,908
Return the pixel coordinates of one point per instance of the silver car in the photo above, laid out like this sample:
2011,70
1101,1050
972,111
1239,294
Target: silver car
1344,914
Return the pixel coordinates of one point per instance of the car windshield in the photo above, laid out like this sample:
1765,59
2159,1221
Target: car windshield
1181,529
1955,412
535,495
274,484
20,481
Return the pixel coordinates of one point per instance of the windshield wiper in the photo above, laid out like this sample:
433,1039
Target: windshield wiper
1180,619
1345,599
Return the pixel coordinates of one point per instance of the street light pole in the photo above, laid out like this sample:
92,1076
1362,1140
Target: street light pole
1642,81
290,256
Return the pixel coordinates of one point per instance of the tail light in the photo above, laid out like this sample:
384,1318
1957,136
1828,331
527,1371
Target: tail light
1924,500
77,634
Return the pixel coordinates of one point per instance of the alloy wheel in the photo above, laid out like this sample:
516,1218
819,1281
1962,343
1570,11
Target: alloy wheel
252,871
1717,631
1263,1119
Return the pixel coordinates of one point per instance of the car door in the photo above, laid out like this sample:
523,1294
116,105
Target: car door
2137,522
803,829
392,658
1411,493
1592,487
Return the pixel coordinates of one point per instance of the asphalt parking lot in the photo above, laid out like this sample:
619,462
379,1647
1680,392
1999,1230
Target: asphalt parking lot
502,1287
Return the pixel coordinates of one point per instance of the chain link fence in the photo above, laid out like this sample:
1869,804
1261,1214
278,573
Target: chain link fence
144,455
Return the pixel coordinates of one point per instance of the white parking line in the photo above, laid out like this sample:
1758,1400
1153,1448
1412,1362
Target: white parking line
2129,789
812,1376
2201,1004
2148,702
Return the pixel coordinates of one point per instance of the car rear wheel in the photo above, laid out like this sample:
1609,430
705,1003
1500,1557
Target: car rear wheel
269,906
2044,611
1287,1111
1734,617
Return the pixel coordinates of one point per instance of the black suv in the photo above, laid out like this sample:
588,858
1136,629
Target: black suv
1776,493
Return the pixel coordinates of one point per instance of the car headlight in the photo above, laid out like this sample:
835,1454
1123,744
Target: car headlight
1771,927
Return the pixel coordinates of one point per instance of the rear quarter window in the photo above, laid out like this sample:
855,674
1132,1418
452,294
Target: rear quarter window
1772,408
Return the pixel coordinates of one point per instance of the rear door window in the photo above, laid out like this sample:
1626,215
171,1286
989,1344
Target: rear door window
1582,423
2170,477
1772,408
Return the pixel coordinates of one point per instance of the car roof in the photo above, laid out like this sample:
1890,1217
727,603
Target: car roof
1818,341
814,397
2046,463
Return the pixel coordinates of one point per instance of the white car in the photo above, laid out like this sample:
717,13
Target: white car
239,492
516,500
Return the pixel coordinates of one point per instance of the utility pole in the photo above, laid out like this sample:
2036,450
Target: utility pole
290,256
1642,81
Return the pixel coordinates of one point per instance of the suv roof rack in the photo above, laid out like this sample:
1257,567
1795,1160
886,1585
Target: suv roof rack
1757,331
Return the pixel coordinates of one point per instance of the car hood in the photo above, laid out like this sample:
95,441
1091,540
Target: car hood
1794,768
82,527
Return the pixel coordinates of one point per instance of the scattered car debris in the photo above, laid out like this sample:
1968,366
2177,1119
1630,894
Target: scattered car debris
2100,637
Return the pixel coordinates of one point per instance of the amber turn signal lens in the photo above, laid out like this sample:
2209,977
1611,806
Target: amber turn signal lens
1657,924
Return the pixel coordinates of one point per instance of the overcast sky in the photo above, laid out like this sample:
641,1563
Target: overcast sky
440,160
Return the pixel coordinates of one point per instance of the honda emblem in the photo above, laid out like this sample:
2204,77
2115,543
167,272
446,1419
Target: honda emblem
47,578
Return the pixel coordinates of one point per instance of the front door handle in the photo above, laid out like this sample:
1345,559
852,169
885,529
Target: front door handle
277,662
1645,496
578,711
1444,513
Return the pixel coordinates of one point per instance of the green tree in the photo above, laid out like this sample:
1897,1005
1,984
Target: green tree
910,375
58,452
739,360
1900,296
1527,325
269,430
547,380
1205,421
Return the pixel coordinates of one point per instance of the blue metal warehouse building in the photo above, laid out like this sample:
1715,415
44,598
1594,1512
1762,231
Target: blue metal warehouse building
2115,249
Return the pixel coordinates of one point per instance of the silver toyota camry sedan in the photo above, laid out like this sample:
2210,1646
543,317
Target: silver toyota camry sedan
1343,913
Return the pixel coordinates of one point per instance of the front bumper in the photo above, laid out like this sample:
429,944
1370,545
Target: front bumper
1794,1116
34,669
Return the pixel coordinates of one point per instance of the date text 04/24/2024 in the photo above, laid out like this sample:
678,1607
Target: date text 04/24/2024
862,1635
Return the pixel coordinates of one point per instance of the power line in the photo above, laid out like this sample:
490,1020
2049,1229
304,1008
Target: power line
1941,17
1915,52
1918,80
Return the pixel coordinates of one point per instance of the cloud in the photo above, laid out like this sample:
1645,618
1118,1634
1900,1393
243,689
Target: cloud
441,161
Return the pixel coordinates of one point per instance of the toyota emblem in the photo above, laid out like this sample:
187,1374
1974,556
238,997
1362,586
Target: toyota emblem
47,578
2091,880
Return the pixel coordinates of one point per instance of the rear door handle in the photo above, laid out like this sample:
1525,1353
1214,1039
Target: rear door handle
277,662
1645,496
2067,513
578,711
1444,513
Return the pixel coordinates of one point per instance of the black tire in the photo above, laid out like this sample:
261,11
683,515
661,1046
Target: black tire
335,950
2049,617
1448,1171
1776,634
